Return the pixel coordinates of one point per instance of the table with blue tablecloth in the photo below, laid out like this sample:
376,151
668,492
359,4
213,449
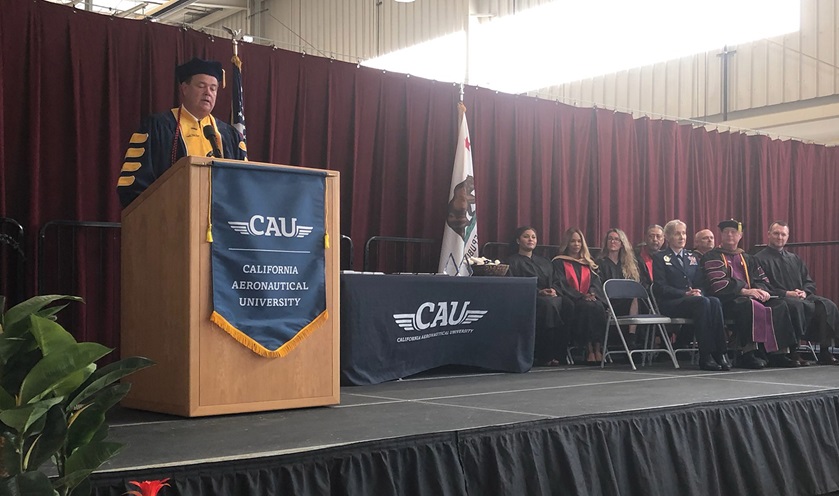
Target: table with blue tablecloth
394,326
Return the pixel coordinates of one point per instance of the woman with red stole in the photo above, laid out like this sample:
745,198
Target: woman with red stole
576,278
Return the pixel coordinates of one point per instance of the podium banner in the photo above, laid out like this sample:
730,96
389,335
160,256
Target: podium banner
268,236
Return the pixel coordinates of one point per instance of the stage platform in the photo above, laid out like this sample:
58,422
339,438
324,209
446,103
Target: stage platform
564,430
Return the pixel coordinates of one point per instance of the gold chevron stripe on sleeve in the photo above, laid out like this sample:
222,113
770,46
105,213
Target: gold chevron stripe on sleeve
131,166
134,152
125,181
139,138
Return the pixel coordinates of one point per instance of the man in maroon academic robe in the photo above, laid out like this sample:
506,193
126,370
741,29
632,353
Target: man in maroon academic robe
737,279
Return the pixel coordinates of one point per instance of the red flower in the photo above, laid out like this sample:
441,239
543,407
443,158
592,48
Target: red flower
148,488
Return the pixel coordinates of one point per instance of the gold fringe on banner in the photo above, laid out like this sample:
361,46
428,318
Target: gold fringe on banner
257,348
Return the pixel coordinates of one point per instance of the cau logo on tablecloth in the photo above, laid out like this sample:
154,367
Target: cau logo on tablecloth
444,313
260,225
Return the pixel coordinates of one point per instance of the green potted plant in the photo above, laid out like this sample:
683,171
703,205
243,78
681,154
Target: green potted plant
53,401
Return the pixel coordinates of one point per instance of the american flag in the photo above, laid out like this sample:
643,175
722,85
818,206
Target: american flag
237,118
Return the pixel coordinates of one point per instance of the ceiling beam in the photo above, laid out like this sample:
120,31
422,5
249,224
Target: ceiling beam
168,8
215,17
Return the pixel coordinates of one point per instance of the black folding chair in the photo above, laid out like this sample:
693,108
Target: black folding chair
627,289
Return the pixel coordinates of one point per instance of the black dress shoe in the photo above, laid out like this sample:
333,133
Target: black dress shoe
794,355
750,361
827,358
707,362
782,360
722,359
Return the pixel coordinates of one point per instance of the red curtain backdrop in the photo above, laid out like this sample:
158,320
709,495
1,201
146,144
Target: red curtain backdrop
75,86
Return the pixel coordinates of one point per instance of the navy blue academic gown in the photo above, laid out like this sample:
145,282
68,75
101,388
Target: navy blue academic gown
155,156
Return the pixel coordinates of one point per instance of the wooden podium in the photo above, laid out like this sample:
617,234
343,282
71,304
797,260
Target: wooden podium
166,301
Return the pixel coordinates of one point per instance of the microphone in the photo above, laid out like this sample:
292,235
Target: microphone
210,134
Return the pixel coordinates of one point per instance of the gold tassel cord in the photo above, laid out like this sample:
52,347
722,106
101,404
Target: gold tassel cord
257,348
325,215
210,207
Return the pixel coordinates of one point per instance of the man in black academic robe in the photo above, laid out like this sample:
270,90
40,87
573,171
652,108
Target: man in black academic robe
814,318
737,279
161,141
553,311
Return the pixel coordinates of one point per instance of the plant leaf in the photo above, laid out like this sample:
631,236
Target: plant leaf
50,440
9,457
111,395
11,345
50,312
72,382
50,336
27,484
22,417
15,369
85,460
7,401
107,375
15,317
84,427
48,373
88,424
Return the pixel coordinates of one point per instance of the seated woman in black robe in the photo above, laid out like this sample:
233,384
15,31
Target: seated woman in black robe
552,310
617,261
575,277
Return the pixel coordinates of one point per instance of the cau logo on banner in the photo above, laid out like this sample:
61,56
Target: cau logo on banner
444,313
260,225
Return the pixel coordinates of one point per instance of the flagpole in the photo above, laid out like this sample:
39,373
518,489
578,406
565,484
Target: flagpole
461,107
237,108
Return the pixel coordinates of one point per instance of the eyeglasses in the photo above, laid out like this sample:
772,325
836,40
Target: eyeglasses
613,239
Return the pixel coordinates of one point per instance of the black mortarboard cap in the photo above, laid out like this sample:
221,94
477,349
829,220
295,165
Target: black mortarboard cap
736,224
198,66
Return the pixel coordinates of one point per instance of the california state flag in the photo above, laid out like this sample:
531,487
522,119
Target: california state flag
460,236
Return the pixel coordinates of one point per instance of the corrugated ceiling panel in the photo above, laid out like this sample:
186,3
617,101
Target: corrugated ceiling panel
361,29
237,21
785,69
